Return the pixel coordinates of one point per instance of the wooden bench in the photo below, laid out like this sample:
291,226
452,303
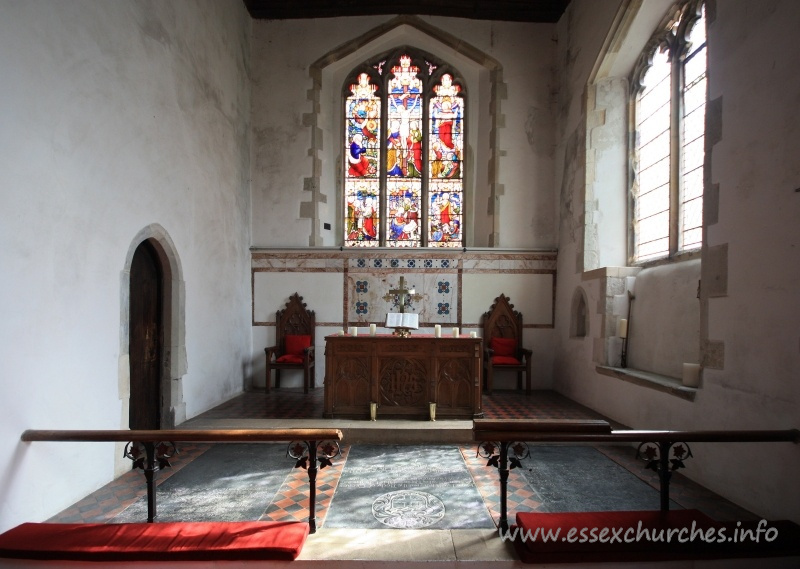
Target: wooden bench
173,541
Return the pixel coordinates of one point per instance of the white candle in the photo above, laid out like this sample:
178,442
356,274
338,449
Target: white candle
691,375
353,331
372,329
437,330
473,334
341,332
622,328
455,332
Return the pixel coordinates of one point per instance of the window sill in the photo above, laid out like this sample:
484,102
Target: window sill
655,381
689,255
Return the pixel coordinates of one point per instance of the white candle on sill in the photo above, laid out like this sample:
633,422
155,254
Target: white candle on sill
353,331
437,330
691,375
622,328
455,332
473,334
372,329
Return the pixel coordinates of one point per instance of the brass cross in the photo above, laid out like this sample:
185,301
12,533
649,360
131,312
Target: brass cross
401,292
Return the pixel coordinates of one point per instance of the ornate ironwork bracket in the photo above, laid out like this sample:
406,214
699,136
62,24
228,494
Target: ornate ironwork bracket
322,453
664,458
498,456
150,457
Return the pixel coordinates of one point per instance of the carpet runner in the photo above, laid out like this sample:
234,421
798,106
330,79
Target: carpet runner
582,479
402,487
229,482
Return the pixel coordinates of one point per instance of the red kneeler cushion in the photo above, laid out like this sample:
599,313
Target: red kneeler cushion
185,541
296,344
503,347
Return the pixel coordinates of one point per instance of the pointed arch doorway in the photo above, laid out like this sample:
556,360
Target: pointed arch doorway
146,340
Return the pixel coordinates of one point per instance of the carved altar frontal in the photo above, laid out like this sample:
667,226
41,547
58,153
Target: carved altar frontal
403,376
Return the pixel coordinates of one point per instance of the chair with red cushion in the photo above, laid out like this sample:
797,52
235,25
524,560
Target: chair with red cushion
502,337
294,342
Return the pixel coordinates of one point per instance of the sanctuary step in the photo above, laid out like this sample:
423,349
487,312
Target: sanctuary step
290,407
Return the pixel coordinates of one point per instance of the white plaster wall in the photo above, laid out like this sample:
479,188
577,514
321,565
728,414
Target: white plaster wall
282,137
113,116
753,59
531,295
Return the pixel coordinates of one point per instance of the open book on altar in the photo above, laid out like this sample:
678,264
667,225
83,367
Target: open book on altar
402,320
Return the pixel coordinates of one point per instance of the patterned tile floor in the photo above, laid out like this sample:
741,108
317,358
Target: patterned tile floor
289,502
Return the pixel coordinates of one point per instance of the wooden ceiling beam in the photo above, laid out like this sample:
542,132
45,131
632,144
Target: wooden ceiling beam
542,11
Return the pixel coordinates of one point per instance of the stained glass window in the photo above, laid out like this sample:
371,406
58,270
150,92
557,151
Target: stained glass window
404,188
362,183
670,90
445,156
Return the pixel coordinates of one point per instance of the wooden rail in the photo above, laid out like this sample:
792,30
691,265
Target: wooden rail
152,440
632,436
666,455
211,435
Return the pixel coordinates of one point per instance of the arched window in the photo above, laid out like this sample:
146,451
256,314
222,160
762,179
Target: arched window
669,90
404,153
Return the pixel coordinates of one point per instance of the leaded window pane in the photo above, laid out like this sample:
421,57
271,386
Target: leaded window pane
361,213
445,218
404,212
445,155
652,202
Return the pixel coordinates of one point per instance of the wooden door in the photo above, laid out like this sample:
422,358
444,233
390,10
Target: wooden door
146,333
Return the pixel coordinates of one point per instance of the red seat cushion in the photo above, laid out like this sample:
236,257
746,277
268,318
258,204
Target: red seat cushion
505,347
505,361
189,541
295,344
290,359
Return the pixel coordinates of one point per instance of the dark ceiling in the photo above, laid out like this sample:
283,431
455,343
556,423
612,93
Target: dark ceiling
507,10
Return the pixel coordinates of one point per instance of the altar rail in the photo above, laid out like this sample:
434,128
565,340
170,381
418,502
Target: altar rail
668,451
150,450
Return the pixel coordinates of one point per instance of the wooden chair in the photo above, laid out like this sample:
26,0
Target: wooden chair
502,341
294,337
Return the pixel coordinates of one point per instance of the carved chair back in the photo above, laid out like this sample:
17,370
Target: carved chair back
502,337
502,321
294,320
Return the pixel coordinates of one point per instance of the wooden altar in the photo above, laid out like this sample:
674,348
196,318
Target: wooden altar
403,376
